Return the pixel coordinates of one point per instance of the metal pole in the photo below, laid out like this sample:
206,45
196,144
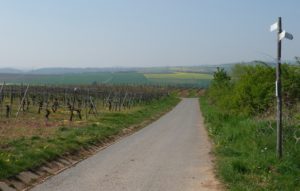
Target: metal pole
278,93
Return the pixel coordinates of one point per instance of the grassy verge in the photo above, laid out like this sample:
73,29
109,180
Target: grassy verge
245,151
28,153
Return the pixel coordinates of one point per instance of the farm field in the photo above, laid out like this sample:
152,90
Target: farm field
79,79
183,79
179,75
121,78
184,83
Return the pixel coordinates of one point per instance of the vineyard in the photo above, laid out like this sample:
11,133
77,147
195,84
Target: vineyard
41,123
23,107
84,100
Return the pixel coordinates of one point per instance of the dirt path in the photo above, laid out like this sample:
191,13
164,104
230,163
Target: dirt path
170,154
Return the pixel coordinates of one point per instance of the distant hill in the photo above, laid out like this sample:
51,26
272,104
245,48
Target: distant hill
146,70
61,71
52,71
182,75
185,76
10,71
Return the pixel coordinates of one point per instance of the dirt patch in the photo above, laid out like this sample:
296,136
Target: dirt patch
13,129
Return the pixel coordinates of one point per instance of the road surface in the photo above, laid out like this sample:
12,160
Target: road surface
171,154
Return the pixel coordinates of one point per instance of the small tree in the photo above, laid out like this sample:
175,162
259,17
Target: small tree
220,86
221,78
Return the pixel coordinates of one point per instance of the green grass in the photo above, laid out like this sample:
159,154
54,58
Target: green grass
28,153
180,75
245,152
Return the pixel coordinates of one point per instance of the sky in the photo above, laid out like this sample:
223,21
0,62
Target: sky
138,33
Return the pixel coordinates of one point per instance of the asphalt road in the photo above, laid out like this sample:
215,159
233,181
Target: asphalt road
171,154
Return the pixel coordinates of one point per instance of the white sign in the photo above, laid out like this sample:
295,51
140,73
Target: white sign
274,27
286,35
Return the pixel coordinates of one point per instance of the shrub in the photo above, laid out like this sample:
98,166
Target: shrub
250,89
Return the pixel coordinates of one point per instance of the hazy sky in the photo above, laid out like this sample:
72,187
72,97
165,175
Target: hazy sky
105,33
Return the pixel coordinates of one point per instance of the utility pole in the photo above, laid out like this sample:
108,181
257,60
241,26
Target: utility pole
278,93
280,35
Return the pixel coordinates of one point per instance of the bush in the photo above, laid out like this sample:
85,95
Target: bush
254,91
250,89
219,91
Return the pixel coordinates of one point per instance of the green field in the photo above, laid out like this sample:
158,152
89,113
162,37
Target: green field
81,78
180,75
191,83
185,79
